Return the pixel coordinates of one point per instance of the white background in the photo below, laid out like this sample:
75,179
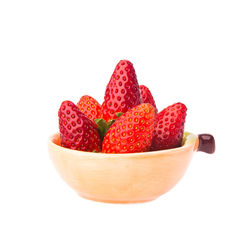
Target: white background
196,52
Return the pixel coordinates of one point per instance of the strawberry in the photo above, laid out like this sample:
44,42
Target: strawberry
147,97
77,131
169,127
90,107
132,132
122,92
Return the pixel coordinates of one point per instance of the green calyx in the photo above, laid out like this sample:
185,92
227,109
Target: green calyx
118,114
103,126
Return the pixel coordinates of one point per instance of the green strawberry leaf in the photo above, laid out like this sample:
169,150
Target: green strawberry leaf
118,114
102,127
111,122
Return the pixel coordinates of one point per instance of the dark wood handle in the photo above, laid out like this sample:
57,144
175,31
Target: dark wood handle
206,143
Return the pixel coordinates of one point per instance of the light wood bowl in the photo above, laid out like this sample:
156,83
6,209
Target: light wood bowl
122,178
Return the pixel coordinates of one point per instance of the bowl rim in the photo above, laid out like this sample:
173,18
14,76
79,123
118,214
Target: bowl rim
189,140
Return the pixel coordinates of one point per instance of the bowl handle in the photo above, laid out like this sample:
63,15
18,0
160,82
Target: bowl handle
205,143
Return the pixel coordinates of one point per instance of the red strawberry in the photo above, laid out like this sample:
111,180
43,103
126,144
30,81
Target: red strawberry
169,127
77,131
122,92
90,107
132,132
147,97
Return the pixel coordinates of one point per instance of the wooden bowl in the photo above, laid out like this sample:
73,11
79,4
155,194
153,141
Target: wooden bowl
125,178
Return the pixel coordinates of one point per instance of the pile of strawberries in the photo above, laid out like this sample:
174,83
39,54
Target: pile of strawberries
126,122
